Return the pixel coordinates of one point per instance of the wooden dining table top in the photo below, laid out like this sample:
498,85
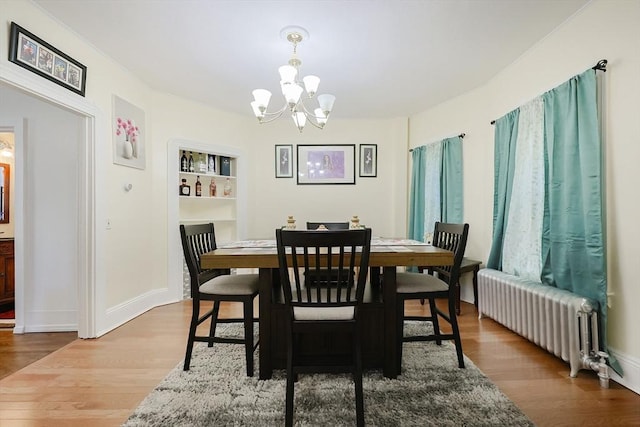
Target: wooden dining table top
385,252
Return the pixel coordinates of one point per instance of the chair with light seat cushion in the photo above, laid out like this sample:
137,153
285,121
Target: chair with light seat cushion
314,312
216,285
420,286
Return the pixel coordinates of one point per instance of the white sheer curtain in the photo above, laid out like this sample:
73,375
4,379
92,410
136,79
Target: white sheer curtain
432,187
522,240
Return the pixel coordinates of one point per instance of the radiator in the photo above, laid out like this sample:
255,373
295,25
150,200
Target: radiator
557,320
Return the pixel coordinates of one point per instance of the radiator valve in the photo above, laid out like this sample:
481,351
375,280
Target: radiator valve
602,368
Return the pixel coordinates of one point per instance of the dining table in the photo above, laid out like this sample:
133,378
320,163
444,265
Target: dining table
379,309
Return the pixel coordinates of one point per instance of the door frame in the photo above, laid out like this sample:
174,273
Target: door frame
91,267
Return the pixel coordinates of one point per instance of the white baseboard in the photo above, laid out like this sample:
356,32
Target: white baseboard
128,310
63,327
48,321
631,371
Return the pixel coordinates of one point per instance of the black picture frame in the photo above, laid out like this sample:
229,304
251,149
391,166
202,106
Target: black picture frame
326,164
284,161
34,54
368,160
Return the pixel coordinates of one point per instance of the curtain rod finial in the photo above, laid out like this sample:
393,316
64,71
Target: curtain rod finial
601,65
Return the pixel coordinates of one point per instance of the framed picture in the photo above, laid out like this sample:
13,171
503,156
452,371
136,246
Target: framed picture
326,164
368,160
284,161
38,56
128,134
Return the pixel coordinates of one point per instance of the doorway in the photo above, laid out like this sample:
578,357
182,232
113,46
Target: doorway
7,276
54,254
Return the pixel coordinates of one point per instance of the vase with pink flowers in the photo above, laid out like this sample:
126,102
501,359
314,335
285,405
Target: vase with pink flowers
128,128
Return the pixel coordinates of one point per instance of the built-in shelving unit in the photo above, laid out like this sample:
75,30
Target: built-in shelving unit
216,201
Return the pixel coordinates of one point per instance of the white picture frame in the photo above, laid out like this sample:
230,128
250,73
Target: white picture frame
326,164
128,126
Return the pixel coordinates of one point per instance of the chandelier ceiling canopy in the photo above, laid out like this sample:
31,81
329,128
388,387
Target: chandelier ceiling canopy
295,92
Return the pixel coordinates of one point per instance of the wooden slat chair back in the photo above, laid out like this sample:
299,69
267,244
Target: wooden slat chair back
200,239
326,277
451,237
317,310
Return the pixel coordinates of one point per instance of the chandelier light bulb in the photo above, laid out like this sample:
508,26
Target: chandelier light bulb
259,113
326,103
311,84
292,94
288,73
320,117
300,119
262,97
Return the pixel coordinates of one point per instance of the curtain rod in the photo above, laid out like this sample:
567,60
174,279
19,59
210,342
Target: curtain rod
461,136
600,66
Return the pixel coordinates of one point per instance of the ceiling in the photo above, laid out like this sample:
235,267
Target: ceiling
381,59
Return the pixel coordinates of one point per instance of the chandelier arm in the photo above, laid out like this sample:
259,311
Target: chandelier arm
312,121
269,117
308,113
311,115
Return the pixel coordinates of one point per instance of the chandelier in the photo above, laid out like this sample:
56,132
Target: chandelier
294,94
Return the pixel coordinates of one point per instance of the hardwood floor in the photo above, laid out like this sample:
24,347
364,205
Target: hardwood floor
100,382
18,351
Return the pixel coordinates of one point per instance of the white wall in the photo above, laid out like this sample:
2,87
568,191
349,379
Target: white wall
122,261
605,29
175,119
379,202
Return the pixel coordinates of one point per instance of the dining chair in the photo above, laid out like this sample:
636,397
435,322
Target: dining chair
216,285
314,312
410,286
328,225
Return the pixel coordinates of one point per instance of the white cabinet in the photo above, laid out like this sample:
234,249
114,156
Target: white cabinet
215,200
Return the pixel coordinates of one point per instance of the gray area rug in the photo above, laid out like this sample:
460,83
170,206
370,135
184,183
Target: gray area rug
432,391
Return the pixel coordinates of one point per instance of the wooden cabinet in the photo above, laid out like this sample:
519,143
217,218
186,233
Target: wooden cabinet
7,272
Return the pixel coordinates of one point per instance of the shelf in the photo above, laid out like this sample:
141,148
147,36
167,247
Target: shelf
214,175
205,198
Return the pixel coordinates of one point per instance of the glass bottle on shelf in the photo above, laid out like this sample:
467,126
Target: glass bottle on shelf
227,188
212,188
184,163
191,165
203,163
185,189
198,187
